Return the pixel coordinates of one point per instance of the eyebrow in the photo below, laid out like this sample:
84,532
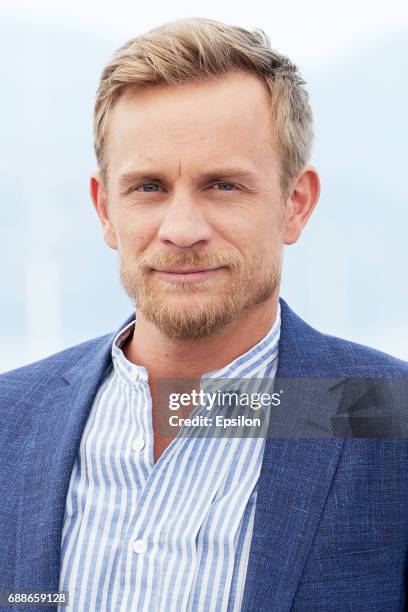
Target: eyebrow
129,178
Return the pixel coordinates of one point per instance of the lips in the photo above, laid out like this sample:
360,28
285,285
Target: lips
186,270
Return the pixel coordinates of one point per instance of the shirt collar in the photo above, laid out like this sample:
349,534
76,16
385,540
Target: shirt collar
247,365
125,369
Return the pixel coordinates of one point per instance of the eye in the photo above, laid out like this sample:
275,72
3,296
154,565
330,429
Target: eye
146,187
225,186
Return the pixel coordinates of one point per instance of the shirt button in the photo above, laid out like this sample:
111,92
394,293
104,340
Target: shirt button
139,546
135,375
138,444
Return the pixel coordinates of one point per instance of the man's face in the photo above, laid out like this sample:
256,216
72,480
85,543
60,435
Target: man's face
193,184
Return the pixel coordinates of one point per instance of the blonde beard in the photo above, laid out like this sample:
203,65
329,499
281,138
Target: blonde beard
215,312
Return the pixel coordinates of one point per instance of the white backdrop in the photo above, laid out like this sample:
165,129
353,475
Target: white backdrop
346,276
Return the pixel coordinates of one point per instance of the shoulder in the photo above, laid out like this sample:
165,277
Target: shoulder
353,360
318,354
21,379
359,359
370,382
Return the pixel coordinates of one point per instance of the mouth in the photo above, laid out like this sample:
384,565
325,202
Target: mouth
187,275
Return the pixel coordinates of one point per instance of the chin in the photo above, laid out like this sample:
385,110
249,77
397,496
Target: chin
185,301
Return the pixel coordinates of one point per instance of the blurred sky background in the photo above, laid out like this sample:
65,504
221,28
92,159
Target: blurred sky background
346,276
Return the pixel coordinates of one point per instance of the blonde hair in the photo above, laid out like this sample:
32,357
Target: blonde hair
200,49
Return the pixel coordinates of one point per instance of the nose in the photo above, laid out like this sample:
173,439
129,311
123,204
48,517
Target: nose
184,223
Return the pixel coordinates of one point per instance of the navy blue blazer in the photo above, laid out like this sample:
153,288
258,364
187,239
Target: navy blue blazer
331,528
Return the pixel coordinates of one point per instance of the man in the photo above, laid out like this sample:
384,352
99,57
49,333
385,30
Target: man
203,136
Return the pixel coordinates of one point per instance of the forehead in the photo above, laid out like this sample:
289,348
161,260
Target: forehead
201,121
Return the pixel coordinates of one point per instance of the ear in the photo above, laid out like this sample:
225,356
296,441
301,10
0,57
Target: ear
99,199
301,203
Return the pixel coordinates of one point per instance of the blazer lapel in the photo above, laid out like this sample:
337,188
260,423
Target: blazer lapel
300,460
55,422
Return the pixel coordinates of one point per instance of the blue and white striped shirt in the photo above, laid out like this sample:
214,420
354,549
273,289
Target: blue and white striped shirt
171,536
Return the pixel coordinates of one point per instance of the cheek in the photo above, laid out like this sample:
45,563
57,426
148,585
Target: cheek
255,239
267,248
263,237
133,236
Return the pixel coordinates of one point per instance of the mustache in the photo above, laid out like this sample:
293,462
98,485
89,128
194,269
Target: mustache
196,259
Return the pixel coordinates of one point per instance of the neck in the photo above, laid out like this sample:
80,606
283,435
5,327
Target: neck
165,357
